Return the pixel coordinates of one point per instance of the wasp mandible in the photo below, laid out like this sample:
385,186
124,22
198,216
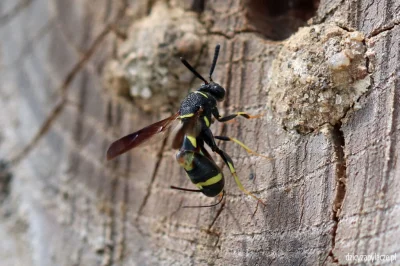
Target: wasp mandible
196,115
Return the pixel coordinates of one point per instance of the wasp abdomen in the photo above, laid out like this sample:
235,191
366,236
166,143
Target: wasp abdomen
202,171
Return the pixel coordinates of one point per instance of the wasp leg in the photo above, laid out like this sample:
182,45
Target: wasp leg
203,150
221,197
185,189
250,151
228,161
208,138
243,114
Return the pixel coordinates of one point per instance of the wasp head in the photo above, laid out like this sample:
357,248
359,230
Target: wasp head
216,90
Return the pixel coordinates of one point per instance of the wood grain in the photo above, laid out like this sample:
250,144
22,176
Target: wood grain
328,193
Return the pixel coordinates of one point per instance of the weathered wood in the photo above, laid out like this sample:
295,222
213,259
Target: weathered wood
329,193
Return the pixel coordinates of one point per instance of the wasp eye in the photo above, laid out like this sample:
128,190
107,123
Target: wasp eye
218,92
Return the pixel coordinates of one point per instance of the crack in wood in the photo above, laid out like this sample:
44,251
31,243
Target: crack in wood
120,253
43,129
111,253
390,151
153,177
81,246
5,180
150,4
111,230
387,27
59,107
338,142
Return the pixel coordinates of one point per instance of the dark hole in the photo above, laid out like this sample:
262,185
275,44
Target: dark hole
198,6
278,19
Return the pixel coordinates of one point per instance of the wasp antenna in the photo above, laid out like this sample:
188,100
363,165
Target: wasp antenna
186,63
214,62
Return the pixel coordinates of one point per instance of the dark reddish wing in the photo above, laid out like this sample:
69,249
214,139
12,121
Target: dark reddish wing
191,126
133,140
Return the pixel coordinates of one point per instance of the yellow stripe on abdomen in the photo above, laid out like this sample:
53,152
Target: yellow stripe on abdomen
211,181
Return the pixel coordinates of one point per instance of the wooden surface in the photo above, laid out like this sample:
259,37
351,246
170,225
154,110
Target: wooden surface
329,193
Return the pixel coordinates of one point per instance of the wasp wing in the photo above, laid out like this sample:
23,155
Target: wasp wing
137,138
189,126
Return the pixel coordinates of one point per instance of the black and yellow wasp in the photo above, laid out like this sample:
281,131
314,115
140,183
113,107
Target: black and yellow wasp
196,115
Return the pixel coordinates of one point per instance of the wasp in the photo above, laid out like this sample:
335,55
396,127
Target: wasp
196,114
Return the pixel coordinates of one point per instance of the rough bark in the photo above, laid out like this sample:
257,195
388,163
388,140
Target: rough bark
328,193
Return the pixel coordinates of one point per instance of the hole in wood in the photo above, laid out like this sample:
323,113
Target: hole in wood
277,20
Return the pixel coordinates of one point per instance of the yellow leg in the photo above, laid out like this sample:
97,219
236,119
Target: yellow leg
250,151
229,162
244,190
